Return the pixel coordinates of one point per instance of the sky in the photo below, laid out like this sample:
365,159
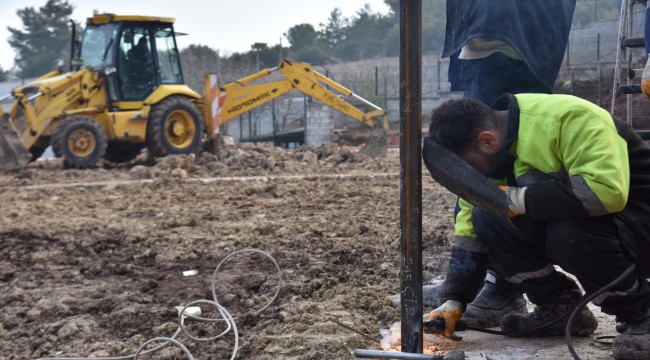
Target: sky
227,26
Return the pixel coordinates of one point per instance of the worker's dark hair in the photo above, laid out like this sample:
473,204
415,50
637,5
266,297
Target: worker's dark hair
456,123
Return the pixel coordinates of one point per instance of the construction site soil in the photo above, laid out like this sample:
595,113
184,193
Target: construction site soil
93,263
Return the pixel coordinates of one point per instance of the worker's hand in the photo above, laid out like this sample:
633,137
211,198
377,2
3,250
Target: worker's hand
450,311
516,200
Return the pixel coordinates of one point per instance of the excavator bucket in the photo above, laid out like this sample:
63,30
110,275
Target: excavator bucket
377,145
13,154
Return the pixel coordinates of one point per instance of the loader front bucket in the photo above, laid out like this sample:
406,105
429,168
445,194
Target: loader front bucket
377,145
13,154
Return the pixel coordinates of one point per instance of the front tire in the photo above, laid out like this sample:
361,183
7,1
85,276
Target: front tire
174,127
57,144
80,141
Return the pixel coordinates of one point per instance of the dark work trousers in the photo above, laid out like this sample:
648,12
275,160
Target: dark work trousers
589,248
496,279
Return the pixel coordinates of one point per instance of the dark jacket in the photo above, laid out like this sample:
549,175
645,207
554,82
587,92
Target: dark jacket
537,29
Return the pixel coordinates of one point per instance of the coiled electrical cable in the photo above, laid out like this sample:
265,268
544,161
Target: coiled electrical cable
182,315
275,263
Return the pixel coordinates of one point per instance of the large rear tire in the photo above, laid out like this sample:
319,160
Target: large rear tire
81,142
174,127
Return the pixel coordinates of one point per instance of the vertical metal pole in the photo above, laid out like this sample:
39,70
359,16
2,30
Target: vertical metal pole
376,80
304,121
439,72
411,174
386,92
250,126
273,118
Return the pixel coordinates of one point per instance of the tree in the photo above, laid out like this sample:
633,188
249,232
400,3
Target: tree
43,45
393,7
335,31
365,36
4,75
305,45
301,36
434,19
310,54
196,60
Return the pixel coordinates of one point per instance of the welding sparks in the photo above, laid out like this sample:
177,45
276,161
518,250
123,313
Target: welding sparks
390,337
391,340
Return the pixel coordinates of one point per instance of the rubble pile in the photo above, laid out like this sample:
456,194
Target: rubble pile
244,159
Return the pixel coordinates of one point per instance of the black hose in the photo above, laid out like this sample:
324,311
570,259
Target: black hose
585,300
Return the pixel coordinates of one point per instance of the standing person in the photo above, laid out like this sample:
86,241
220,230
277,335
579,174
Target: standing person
506,46
578,185
496,47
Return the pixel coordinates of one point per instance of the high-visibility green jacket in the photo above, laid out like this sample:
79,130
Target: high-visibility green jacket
569,154
574,158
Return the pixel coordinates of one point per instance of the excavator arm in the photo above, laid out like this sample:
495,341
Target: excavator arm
235,98
310,82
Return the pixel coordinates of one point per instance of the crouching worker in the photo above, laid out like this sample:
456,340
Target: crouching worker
578,189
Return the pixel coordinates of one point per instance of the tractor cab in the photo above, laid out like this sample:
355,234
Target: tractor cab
137,54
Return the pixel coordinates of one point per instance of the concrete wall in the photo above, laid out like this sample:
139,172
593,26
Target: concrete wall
320,124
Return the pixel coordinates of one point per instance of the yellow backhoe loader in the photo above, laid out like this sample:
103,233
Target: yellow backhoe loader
125,92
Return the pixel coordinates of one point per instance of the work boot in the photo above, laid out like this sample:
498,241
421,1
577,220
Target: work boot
633,342
551,318
492,304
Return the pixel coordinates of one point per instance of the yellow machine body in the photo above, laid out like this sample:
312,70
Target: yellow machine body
129,94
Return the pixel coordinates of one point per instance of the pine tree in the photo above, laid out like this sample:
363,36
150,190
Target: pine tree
43,44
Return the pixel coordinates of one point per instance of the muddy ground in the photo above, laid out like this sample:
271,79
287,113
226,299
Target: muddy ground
92,262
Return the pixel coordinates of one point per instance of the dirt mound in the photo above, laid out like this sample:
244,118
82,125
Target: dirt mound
92,261
234,161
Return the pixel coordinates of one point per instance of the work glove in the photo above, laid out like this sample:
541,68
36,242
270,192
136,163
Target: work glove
450,311
516,200
645,79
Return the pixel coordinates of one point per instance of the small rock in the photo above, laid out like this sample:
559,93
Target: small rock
179,173
309,157
67,330
228,140
99,354
26,174
140,172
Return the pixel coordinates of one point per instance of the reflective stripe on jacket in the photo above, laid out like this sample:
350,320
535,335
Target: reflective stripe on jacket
568,153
